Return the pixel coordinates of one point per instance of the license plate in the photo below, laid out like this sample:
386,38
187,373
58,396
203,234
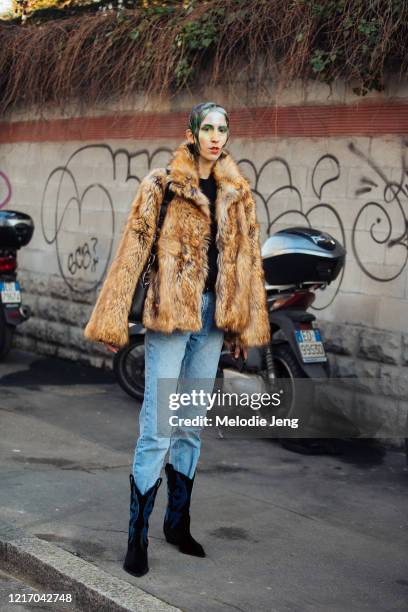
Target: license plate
310,345
10,292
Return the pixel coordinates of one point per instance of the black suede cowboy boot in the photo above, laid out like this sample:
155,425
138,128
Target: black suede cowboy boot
177,518
141,506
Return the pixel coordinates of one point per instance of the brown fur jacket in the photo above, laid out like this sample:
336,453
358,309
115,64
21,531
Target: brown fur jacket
173,299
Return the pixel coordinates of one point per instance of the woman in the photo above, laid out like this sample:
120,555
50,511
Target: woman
208,289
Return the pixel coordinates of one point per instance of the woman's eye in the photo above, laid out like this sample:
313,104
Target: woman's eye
222,129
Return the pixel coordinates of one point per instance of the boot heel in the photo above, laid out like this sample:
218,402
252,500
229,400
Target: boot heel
171,539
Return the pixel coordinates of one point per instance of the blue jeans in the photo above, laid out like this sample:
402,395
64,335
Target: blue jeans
184,355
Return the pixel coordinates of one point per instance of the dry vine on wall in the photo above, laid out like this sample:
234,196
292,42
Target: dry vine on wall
93,52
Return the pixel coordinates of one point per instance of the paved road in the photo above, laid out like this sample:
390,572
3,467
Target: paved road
282,531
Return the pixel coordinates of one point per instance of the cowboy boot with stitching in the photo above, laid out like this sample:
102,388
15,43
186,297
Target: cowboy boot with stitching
176,525
141,506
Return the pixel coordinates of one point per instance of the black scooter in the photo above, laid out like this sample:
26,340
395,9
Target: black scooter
298,261
16,230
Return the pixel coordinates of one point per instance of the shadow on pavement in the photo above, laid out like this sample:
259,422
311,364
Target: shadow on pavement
52,371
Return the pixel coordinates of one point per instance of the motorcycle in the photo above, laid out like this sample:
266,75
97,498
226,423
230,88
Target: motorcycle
297,262
16,230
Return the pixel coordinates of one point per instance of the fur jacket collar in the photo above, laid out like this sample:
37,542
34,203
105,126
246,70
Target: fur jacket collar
174,296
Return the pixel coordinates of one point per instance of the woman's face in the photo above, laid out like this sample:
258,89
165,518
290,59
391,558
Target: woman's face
212,135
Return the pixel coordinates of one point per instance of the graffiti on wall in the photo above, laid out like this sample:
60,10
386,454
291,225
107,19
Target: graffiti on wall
72,201
5,189
285,206
386,219
95,176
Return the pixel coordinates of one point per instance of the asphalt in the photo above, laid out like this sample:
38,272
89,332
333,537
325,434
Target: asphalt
283,532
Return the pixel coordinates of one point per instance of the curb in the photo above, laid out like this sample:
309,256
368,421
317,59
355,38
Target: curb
91,588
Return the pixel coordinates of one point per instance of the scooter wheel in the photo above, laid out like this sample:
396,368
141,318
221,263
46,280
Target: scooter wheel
297,398
129,367
406,440
6,336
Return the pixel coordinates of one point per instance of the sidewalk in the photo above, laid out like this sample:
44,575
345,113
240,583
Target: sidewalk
282,531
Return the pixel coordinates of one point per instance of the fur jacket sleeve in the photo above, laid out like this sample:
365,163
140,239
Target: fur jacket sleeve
109,319
257,330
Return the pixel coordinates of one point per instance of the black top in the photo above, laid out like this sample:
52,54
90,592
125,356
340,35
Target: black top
209,187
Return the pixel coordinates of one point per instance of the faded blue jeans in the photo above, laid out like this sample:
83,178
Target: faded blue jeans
184,355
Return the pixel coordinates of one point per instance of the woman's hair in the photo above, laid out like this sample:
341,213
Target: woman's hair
197,115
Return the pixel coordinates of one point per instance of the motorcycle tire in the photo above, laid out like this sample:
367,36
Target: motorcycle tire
129,367
287,368
406,441
6,336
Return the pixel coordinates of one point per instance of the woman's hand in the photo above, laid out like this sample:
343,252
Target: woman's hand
234,346
238,348
112,347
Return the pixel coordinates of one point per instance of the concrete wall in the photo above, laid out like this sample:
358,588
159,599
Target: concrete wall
350,182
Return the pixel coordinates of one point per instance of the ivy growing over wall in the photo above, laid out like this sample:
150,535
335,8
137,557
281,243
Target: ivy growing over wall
60,50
